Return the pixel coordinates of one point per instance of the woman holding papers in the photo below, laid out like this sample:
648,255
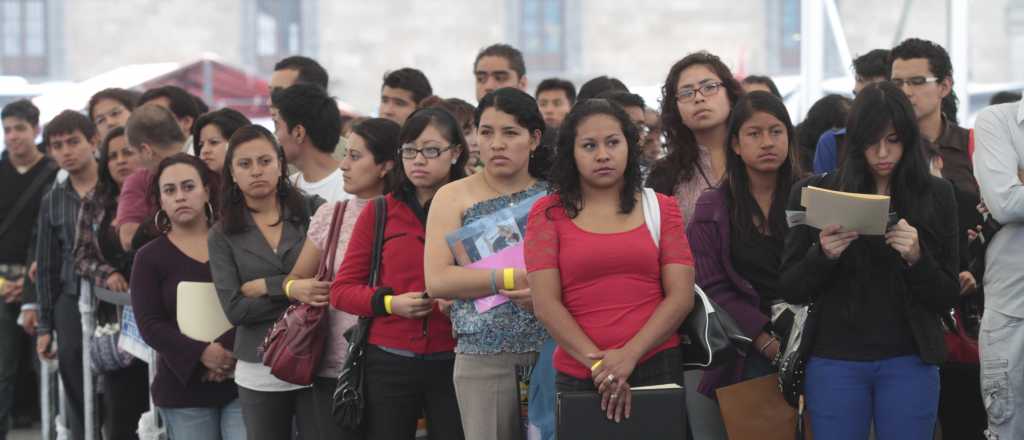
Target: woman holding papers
878,342
739,228
193,389
367,163
492,342
611,296
253,247
100,259
409,357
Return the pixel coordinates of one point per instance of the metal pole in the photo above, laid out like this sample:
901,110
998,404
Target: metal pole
87,307
838,33
958,41
812,53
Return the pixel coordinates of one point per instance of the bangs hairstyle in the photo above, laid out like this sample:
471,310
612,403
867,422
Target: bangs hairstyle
381,138
127,99
565,175
524,109
680,163
232,201
877,109
743,209
107,191
205,178
450,130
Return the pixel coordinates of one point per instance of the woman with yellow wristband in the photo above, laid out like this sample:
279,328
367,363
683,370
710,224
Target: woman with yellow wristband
370,157
492,343
409,358
609,292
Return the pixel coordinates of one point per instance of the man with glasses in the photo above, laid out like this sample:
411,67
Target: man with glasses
110,108
923,70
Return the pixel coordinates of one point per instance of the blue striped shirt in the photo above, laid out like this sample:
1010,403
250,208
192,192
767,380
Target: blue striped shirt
55,245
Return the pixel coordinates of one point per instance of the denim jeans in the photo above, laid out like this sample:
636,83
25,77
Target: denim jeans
1001,343
901,396
223,423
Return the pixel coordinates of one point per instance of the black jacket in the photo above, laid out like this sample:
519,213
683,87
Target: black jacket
872,305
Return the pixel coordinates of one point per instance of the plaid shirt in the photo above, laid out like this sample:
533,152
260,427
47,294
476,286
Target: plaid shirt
58,221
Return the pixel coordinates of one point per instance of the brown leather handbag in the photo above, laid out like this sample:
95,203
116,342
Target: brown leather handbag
294,346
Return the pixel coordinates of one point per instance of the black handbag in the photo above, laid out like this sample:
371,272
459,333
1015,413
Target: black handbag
709,337
793,364
349,399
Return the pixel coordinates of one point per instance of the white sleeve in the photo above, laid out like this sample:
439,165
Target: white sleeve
996,164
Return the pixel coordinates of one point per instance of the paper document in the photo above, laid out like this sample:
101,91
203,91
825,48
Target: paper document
200,315
867,214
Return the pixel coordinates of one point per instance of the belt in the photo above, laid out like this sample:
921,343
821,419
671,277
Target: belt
442,356
13,270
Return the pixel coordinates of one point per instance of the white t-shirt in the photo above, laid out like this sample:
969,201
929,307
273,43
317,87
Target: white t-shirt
330,188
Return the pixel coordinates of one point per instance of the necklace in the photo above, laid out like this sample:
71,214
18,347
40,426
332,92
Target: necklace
511,202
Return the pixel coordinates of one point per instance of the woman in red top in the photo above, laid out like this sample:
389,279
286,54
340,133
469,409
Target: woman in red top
410,357
614,313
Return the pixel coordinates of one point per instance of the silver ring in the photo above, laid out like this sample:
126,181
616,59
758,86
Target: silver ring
615,396
610,377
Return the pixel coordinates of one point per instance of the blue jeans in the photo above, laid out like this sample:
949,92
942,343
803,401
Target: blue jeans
542,392
224,423
900,394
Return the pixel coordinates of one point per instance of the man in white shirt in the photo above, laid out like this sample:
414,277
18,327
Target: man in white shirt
308,125
999,154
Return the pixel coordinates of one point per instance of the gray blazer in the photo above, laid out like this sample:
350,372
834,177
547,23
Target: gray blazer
239,258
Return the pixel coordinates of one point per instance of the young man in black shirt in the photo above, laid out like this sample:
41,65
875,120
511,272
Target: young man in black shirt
25,173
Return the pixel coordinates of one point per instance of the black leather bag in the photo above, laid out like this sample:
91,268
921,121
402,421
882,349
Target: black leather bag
349,399
710,337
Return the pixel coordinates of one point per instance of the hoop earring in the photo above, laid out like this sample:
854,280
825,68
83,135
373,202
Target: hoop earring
209,214
163,224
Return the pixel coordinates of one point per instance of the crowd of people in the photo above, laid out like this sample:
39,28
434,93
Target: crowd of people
138,193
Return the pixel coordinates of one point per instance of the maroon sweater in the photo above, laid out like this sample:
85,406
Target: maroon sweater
159,267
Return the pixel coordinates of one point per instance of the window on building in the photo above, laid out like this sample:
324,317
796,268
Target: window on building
23,51
542,36
278,31
783,42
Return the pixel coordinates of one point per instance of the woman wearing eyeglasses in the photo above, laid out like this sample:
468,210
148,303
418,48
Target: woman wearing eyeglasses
410,355
694,115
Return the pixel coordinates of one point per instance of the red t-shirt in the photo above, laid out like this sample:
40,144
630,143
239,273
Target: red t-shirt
611,283
132,205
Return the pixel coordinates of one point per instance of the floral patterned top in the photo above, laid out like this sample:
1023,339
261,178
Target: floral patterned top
689,191
336,347
505,328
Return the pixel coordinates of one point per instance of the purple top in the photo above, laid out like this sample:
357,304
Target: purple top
159,267
708,233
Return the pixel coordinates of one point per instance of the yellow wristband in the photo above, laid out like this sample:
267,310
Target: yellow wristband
509,275
288,288
387,303
596,365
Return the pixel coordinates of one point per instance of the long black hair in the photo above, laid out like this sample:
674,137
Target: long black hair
449,127
524,109
683,151
107,190
232,202
743,209
381,137
876,109
827,113
565,175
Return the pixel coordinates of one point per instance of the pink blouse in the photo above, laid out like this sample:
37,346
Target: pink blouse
319,228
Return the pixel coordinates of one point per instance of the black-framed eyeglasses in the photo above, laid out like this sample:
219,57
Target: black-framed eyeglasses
706,90
409,151
915,81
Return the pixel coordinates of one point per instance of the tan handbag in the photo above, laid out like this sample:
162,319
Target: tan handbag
755,410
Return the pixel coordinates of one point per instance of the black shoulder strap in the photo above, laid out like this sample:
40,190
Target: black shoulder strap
46,175
381,213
